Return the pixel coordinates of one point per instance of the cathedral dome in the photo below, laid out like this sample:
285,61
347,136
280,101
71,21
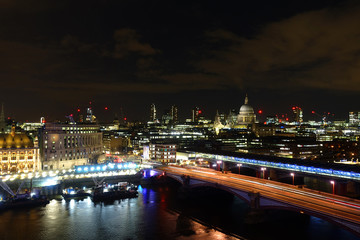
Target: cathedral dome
246,114
246,109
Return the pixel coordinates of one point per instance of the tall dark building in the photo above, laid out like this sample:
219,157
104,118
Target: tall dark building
196,114
174,113
152,113
2,120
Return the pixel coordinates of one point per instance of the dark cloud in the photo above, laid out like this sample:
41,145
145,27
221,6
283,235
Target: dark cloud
127,41
317,49
64,53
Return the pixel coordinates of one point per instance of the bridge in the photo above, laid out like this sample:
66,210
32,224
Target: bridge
266,194
273,167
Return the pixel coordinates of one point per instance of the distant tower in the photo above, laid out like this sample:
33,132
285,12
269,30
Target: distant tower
152,113
2,120
298,114
174,113
116,120
195,114
217,123
89,115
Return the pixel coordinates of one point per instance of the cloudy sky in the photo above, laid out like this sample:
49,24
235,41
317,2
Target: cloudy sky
56,56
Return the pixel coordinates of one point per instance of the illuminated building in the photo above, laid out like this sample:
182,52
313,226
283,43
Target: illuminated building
18,153
66,145
231,119
217,123
152,113
174,114
272,120
196,112
298,114
246,114
166,118
115,144
163,152
354,118
90,117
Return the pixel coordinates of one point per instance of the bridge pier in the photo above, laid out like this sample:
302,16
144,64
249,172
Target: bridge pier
352,189
273,175
254,200
255,214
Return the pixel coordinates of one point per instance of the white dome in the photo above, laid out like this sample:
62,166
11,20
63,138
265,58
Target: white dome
246,109
246,113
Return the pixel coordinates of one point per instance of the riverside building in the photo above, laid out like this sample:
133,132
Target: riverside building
18,153
65,145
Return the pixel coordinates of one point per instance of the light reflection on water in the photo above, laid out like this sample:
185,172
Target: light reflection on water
149,217
144,217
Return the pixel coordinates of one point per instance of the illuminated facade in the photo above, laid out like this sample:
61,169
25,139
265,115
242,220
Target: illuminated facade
246,114
196,114
354,118
174,114
152,113
65,145
217,123
18,153
298,114
163,152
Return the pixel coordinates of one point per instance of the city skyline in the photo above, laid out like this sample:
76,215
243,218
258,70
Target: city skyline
58,57
104,113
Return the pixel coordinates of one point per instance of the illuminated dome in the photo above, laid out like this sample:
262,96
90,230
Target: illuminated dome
246,114
15,140
246,109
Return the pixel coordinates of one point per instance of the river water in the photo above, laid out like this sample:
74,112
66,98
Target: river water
159,214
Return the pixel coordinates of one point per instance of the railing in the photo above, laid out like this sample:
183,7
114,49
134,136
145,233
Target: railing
285,166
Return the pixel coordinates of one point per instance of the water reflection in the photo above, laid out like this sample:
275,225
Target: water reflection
155,214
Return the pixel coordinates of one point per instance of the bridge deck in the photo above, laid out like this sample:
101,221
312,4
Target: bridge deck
339,209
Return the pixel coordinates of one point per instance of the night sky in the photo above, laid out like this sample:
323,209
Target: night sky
57,56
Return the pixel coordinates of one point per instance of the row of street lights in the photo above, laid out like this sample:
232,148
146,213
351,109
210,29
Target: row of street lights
263,169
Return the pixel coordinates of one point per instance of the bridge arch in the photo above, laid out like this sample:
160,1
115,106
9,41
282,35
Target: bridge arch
243,195
266,203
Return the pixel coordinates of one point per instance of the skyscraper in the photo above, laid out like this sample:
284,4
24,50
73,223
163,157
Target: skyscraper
89,114
152,113
298,114
2,120
174,113
195,114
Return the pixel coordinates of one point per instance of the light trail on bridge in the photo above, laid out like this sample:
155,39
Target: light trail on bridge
321,204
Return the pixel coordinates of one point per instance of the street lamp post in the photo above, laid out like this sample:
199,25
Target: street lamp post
263,170
293,176
239,165
333,188
218,165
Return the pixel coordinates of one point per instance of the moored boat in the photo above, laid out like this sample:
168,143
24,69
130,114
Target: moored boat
74,194
20,201
113,192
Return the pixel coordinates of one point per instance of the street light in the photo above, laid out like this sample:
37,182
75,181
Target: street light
293,176
239,165
263,170
333,187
